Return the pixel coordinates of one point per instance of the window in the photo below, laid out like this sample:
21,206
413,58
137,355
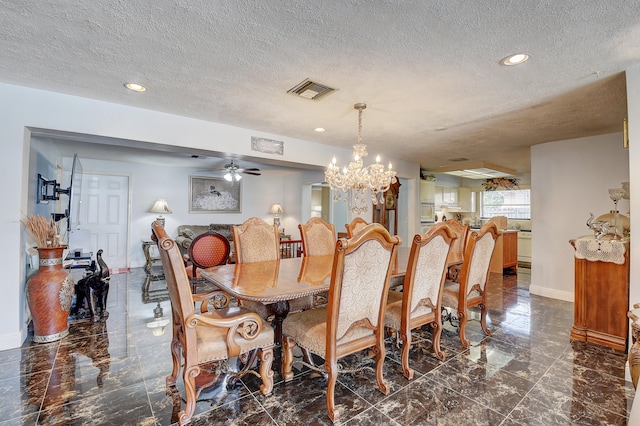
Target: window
514,204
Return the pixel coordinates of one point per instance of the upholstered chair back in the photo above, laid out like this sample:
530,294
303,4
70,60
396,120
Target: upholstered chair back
353,319
318,237
419,302
256,241
477,273
178,284
456,254
470,289
429,273
355,226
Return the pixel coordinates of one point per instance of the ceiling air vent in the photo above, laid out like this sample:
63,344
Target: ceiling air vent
310,90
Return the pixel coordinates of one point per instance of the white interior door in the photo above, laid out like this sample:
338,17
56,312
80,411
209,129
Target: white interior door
103,218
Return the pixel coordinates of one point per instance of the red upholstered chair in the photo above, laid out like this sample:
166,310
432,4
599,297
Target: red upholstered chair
206,250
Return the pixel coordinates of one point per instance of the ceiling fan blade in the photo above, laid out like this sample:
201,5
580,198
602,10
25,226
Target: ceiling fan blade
252,169
251,173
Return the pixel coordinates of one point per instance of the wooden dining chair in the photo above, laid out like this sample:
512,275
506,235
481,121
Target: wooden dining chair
355,226
207,337
419,302
470,290
353,320
318,237
206,250
456,254
257,241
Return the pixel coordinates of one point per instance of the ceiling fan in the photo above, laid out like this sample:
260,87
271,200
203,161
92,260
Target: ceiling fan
233,172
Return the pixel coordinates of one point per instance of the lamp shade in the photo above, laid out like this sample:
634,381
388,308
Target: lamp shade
276,209
161,206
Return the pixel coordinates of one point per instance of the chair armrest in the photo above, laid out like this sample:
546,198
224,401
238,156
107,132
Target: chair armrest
238,320
220,300
183,242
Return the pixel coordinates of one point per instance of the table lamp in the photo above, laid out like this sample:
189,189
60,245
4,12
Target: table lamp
161,206
276,209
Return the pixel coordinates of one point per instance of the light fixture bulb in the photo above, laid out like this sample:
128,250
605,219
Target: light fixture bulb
227,176
515,59
135,87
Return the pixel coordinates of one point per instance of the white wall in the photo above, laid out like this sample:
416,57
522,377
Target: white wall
22,108
569,179
633,114
258,193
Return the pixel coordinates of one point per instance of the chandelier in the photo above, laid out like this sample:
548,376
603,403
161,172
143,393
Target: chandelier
354,182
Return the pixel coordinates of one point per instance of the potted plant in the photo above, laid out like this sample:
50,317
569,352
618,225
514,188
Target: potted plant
50,289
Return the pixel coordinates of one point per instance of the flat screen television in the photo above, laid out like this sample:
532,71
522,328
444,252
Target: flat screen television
74,192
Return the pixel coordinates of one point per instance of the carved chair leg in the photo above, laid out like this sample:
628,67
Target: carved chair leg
189,378
379,350
332,371
406,346
175,357
266,373
437,331
483,319
462,317
287,357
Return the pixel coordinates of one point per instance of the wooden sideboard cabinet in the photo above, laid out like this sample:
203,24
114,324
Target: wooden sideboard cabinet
505,254
601,295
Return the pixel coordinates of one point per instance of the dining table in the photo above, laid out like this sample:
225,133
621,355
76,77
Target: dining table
276,282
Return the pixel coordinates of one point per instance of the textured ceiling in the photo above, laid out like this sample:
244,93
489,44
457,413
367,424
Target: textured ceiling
428,70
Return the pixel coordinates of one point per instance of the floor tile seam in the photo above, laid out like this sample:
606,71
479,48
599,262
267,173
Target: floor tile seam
504,371
257,400
374,385
498,337
46,388
373,407
604,373
537,400
561,360
480,403
534,386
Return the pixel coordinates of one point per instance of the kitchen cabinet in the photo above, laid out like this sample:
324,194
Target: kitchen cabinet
466,199
505,253
427,191
446,195
524,247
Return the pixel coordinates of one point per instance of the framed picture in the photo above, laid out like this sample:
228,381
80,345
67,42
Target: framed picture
213,195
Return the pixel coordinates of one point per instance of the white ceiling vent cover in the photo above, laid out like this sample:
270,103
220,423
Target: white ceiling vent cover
310,90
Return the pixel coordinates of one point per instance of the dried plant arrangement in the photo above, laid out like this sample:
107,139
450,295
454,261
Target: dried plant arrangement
44,231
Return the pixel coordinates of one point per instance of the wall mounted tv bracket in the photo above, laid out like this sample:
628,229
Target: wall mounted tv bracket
49,190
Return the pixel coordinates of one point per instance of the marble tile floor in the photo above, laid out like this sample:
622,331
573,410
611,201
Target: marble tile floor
527,373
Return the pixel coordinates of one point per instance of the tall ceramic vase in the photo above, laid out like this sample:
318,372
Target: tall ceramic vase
49,293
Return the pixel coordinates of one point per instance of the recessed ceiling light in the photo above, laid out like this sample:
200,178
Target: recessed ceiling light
516,59
319,129
135,87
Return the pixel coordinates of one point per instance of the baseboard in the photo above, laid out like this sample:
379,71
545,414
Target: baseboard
567,296
11,341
